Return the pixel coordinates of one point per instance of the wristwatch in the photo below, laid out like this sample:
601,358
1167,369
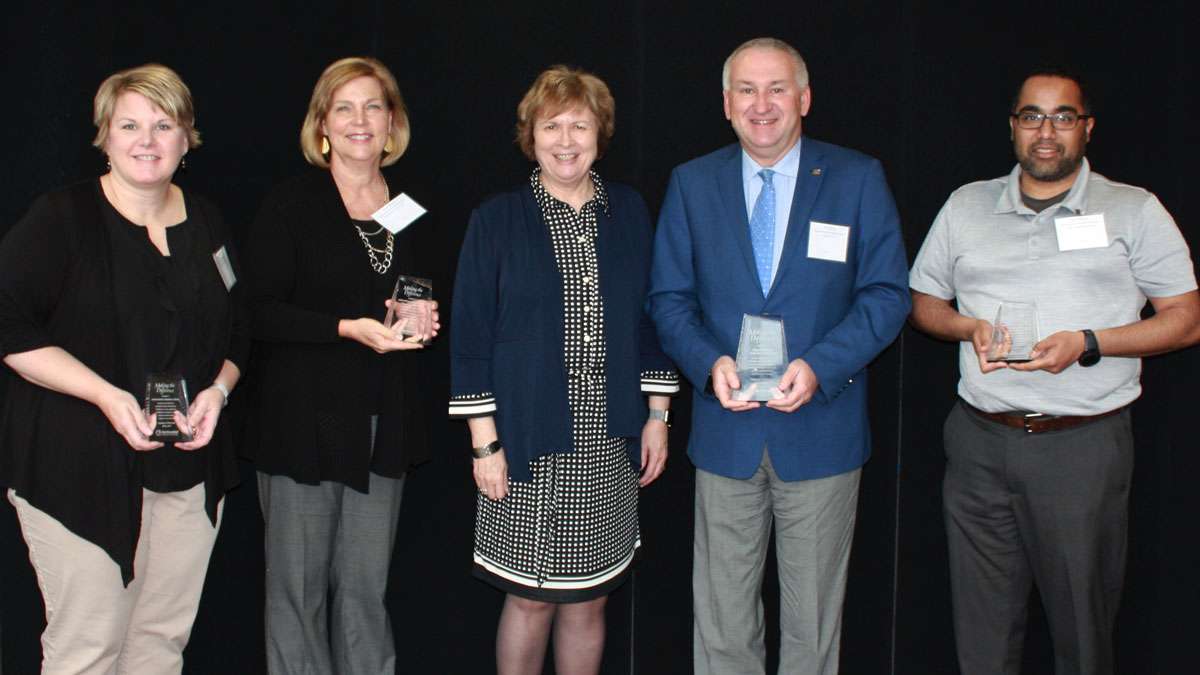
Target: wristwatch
1091,349
486,450
663,416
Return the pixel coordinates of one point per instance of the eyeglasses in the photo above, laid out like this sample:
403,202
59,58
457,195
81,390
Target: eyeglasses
1061,121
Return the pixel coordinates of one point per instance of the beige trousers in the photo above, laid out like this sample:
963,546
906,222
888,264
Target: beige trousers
95,624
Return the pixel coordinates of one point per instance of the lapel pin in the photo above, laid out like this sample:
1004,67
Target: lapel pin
816,172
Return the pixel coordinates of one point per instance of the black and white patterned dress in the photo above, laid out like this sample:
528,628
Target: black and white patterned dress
570,534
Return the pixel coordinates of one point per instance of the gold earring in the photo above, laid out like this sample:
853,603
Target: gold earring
324,145
389,147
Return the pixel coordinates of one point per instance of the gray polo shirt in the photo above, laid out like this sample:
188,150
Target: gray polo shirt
986,246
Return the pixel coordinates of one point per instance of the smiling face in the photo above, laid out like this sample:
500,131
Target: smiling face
358,122
765,104
144,144
565,147
1050,158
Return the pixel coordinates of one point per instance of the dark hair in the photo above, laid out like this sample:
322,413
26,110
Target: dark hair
1054,71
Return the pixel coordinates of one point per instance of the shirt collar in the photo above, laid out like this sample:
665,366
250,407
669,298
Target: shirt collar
788,166
546,200
1075,201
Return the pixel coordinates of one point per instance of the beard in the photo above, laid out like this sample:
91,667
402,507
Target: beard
1050,171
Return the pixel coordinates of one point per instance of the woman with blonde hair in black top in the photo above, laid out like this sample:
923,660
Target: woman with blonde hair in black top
104,285
337,419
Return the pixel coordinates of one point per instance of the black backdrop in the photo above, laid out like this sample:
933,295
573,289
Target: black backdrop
924,86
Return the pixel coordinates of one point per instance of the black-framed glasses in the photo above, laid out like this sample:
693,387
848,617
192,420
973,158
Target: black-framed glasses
1061,121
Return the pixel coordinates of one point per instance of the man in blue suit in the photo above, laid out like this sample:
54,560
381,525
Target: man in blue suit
806,231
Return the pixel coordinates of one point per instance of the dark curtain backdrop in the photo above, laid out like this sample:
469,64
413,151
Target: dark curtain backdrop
924,86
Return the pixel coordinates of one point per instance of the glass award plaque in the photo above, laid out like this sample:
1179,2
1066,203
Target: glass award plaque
761,358
164,395
1014,332
411,312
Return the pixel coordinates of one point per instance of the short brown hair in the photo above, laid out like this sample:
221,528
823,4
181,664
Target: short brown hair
338,73
561,88
160,85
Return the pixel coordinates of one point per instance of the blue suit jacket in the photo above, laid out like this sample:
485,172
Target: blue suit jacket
837,315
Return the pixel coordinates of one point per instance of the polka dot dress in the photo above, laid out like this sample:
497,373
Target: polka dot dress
569,534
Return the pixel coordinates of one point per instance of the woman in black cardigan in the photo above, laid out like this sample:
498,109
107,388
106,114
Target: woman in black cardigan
102,285
337,419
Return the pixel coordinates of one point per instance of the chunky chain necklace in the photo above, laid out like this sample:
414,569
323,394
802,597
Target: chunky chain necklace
379,267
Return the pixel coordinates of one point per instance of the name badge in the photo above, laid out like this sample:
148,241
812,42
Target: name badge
1079,232
398,213
225,268
827,241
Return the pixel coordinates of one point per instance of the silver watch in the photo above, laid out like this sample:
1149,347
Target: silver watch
663,416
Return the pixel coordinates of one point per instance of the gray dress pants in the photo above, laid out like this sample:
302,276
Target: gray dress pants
1048,509
328,552
814,526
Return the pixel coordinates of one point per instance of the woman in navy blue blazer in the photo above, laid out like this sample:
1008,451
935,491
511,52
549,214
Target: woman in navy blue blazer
552,357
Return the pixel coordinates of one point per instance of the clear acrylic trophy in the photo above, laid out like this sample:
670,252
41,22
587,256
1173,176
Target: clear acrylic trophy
411,310
166,394
761,358
1014,332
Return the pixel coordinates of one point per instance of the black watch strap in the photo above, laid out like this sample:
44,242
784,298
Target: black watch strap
1091,349
487,450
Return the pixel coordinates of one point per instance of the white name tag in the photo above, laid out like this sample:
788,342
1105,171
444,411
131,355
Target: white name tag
398,213
828,242
225,268
1077,232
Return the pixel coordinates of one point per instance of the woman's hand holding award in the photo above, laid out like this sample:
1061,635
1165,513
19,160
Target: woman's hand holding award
410,314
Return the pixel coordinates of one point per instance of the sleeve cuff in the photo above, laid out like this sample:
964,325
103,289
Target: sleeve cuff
473,405
663,382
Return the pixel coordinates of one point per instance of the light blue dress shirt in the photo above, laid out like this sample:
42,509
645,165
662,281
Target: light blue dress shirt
786,171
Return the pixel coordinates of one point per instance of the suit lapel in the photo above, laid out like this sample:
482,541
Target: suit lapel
733,198
808,185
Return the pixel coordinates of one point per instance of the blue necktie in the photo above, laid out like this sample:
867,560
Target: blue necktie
762,230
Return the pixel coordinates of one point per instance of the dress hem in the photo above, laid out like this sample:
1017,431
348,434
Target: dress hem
488,573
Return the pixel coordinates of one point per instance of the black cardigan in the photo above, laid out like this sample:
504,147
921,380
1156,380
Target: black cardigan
307,269
59,452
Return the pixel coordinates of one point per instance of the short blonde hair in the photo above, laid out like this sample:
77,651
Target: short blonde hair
561,88
338,73
160,85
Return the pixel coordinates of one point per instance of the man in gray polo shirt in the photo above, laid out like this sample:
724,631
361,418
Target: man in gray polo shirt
1040,452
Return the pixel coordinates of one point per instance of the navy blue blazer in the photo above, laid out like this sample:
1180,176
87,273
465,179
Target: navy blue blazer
837,315
506,333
